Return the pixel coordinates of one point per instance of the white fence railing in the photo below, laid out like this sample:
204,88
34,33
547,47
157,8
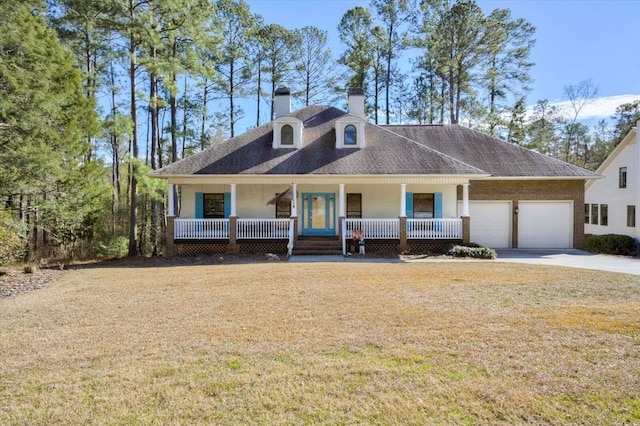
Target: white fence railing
263,229
381,229
434,229
201,229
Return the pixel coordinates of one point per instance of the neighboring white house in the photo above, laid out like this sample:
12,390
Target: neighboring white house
312,177
611,204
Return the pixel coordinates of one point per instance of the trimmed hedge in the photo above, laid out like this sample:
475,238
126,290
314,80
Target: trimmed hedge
476,252
609,244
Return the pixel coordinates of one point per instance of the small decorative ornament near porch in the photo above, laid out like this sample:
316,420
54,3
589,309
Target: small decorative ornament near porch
357,237
271,257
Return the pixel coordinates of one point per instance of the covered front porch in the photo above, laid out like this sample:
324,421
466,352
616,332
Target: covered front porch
311,209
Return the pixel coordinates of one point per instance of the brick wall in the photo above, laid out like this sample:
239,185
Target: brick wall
516,190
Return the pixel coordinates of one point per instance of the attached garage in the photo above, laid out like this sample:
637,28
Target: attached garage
490,223
545,224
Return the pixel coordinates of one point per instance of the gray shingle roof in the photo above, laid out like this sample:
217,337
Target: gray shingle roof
251,153
393,149
497,157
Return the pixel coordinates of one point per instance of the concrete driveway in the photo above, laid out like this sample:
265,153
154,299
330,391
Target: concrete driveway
571,258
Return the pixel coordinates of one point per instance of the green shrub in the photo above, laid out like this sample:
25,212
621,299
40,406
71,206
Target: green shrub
609,244
115,247
476,252
12,241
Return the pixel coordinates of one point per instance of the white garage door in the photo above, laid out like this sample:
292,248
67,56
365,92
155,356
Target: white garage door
490,223
545,224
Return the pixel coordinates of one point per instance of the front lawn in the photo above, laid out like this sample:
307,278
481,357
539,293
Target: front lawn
449,342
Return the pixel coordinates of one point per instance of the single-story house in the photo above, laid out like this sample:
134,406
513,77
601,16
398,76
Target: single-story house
312,177
611,203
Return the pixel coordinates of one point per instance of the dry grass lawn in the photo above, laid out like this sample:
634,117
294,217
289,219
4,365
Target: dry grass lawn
350,343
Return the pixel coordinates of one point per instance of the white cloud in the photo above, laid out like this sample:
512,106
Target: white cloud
597,108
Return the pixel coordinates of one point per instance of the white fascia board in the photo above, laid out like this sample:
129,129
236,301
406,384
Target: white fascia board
327,179
542,177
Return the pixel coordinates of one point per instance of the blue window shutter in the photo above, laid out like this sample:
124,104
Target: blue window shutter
227,204
437,205
199,205
409,205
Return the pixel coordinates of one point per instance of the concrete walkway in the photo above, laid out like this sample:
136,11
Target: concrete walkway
571,258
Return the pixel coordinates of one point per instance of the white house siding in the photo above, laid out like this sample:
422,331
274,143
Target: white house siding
606,191
378,201
188,197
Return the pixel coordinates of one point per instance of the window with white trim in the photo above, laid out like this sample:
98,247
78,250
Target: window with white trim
622,177
604,214
586,213
631,216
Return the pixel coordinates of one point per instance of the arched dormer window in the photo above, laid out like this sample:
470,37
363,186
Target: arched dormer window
350,135
286,135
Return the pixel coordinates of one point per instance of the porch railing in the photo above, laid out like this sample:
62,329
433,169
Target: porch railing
434,229
201,229
424,229
263,229
379,229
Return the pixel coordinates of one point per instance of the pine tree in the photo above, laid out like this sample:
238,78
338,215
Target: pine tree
314,68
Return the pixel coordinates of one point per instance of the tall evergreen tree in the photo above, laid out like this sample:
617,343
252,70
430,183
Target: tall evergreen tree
395,16
506,74
233,62
355,30
279,55
626,116
42,129
314,66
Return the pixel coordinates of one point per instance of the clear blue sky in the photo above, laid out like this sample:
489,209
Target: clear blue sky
576,40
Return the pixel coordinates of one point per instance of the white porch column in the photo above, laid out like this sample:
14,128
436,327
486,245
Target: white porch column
233,210
171,200
294,200
341,201
465,199
403,200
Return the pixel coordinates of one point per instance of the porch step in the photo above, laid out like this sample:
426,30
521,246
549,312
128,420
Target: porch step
317,245
313,252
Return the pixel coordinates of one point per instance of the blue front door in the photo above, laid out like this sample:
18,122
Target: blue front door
318,213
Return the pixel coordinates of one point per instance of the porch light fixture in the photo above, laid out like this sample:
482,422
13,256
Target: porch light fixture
516,210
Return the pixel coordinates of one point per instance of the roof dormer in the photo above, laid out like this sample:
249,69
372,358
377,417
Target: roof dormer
350,132
350,128
287,132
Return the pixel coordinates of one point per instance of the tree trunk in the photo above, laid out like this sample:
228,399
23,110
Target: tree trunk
232,115
133,216
259,90
203,124
184,119
155,143
388,83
